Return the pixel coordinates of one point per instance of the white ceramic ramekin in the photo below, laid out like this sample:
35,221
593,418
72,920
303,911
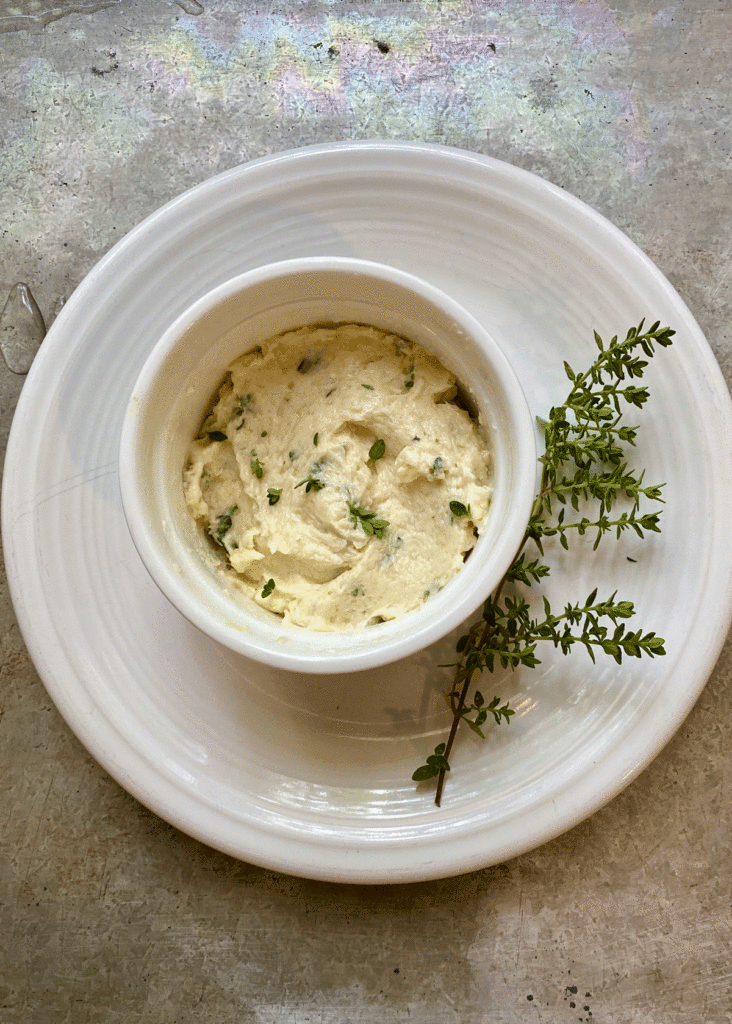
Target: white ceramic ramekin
176,384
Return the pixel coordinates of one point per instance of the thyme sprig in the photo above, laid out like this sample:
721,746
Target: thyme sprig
370,524
584,475
312,483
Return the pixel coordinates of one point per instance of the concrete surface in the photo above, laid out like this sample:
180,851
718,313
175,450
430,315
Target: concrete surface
107,914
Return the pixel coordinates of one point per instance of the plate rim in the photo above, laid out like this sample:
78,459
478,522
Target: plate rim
165,804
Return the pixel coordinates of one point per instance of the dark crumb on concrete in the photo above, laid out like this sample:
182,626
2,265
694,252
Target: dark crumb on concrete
101,72
492,46
382,47
530,998
573,1005
396,970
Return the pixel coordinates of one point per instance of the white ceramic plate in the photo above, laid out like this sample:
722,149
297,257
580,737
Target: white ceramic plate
311,775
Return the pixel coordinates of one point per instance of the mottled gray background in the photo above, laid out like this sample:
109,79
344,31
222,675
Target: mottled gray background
107,914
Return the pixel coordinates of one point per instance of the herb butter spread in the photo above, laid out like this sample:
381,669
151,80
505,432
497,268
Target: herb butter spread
337,477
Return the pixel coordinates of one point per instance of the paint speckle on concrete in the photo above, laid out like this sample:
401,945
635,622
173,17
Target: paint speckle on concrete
665,18
33,15
517,78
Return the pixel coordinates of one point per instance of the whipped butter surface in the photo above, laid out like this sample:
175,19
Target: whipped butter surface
325,473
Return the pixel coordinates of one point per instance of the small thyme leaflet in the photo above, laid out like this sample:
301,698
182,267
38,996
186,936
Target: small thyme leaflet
268,588
274,494
584,461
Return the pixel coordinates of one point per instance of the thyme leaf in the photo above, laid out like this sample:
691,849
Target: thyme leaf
224,523
436,763
459,510
307,363
377,450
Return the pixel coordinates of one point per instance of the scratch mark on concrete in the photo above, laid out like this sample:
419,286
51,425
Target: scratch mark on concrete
38,829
